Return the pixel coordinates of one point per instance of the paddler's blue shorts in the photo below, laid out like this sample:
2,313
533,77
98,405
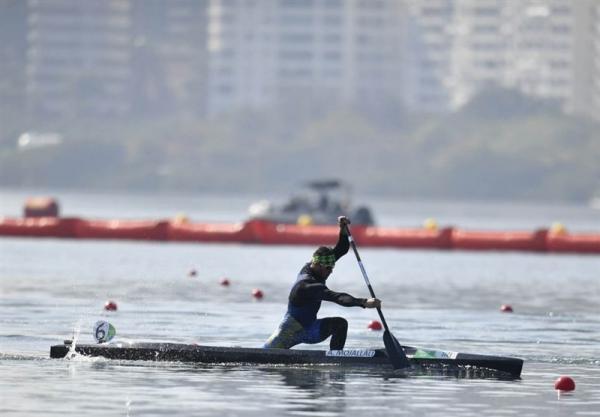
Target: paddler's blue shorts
291,333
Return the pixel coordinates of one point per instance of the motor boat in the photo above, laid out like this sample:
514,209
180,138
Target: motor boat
317,203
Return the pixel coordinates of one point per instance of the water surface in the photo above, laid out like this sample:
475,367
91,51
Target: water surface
51,288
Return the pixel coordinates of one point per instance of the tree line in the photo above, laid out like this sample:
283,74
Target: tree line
502,145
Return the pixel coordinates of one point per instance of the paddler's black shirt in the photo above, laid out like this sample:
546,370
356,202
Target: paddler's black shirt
309,290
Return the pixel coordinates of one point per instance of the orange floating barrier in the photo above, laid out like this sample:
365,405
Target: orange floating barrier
404,238
122,229
573,243
39,227
557,240
291,234
205,232
499,240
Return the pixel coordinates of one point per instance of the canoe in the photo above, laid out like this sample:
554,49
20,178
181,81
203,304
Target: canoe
176,352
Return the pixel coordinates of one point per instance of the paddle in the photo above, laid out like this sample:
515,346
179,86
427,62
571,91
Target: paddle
392,346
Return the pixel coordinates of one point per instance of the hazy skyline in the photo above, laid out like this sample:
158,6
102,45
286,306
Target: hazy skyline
237,94
64,58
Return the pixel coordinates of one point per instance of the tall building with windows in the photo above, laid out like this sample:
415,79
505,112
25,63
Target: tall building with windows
431,55
13,44
541,48
429,34
169,62
115,57
479,48
586,58
266,52
123,57
78,57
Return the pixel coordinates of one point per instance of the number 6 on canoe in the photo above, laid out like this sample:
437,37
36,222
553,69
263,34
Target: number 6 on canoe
392,346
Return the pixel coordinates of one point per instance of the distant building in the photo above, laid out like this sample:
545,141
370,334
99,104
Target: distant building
262,53
169,59
586,56
13,46
115,57
430,55
154,57
541,48
78,58
430,33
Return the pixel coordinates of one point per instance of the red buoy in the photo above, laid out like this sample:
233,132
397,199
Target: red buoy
110,306
564,383
224,282
256,293
506,308
374,325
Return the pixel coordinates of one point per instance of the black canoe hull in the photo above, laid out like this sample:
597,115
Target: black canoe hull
175,352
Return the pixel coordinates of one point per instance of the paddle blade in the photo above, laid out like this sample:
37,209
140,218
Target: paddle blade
395,352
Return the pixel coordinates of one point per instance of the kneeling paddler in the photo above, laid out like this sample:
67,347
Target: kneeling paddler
300,323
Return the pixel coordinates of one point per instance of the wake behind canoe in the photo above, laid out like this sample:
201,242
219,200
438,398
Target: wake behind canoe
175,352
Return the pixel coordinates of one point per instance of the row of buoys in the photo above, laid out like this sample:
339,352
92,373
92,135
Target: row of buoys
257,293
555,239
563,383
224,282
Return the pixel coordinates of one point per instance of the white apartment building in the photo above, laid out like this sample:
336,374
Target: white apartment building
78,57
586,55
541,48
269,51
432,55
116,56
169,55
428,48
13,32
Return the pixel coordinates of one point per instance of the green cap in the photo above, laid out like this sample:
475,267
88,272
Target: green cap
325,260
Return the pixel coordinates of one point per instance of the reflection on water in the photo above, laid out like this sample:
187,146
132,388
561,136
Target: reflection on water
165,389
325,390
318,390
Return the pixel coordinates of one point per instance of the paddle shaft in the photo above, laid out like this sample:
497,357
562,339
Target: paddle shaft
364,274
394,350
